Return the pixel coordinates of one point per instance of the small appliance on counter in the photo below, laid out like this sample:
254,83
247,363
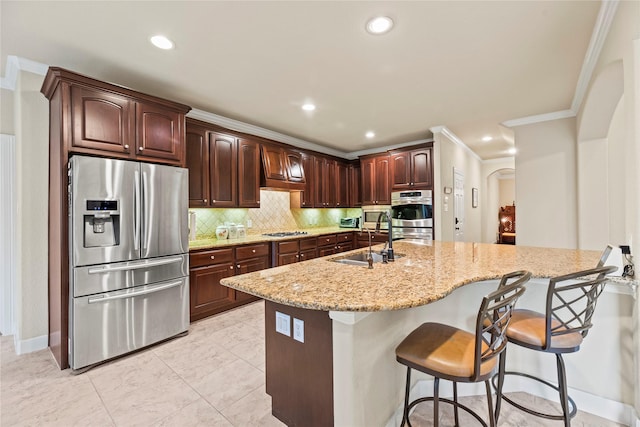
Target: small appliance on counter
349,222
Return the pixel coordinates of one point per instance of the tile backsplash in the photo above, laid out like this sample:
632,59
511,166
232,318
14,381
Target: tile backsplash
274,214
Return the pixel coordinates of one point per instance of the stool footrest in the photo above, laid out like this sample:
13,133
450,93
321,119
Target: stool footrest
449,401
574,408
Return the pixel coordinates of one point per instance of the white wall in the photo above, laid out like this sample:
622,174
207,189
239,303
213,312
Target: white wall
449,154
31,114
546,184
507,190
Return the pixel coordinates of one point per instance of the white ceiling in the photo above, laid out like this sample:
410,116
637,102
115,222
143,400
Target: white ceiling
466,65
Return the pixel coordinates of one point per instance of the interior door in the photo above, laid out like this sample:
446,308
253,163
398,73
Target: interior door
458,205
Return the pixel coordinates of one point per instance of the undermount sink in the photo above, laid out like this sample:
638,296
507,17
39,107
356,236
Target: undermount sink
361,258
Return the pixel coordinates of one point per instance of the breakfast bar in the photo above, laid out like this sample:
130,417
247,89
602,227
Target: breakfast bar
336,325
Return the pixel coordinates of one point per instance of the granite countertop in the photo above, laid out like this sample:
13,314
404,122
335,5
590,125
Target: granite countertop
258,238
424,274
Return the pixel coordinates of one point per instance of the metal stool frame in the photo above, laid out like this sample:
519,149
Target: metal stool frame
492,322
565,314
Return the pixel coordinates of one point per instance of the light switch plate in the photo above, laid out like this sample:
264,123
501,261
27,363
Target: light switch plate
283,323
298,329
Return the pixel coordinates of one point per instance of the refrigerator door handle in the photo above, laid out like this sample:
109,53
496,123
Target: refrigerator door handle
145,212
136,213
103,298
107,269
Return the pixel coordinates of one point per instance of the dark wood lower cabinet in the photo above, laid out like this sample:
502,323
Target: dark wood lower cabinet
208,296
299,375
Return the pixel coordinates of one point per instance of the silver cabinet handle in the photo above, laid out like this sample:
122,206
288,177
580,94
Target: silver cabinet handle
205,200
126,146
141,148
104,298
107,268
253,250
231,267
213,257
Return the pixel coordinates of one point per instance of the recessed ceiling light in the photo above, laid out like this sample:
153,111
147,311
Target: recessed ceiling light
370,134
512,150
308,107
487,138
379,25
162,42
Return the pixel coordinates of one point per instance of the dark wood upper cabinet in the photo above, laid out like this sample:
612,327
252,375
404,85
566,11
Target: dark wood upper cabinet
248,173
223,172
113,121
294,165
342,184
197,141
411,169
274,161
158,132
375,180
308,195
101,121
355,183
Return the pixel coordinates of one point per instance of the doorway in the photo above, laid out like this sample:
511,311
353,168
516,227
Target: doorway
501,191
458,205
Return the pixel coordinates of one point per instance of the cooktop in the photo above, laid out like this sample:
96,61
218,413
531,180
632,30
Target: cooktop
286,234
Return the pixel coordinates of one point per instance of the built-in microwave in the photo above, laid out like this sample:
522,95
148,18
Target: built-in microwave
370,215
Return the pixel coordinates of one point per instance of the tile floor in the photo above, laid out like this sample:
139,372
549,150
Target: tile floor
212,377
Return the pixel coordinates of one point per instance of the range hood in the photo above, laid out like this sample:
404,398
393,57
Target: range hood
281,168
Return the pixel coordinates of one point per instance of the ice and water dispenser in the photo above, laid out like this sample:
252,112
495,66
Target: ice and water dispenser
101,223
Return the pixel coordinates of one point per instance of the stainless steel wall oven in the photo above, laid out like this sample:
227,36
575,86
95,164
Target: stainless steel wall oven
412,214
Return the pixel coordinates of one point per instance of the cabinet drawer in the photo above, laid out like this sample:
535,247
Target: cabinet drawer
345,237
327,240
252,251
288,247
199,259
309,243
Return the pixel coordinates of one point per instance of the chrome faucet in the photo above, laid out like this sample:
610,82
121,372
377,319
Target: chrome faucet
370,256
390,230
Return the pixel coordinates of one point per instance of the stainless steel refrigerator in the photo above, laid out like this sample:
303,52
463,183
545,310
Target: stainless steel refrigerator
129,263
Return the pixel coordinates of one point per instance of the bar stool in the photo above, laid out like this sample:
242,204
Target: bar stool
571,301
460,356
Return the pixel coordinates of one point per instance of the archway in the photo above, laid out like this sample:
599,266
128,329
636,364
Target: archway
500,191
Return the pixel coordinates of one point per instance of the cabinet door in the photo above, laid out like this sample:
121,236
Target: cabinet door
308,254
198,165
274,162
382,189
308,194
101,120
344,247
284,259
400,170
320,186
421,169
327,250
158,132
355,182
329,175
207,295
295,168
249,266
223,170
342,185
368,181
248,174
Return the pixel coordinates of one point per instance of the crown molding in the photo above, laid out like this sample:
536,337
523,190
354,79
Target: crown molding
15,64
356,154
556,115
453,137
598,36
259,131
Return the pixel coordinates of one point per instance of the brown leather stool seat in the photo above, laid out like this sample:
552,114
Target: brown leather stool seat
453,354
571,301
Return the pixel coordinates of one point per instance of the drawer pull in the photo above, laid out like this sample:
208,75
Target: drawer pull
213,257
253,250
231,267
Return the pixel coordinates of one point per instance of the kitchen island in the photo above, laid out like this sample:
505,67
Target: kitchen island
344,372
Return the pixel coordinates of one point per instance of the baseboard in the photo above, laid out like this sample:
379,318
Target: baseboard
606,408
30,345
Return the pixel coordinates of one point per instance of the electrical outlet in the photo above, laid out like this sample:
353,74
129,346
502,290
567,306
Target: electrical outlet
283,323
298,330
249,223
